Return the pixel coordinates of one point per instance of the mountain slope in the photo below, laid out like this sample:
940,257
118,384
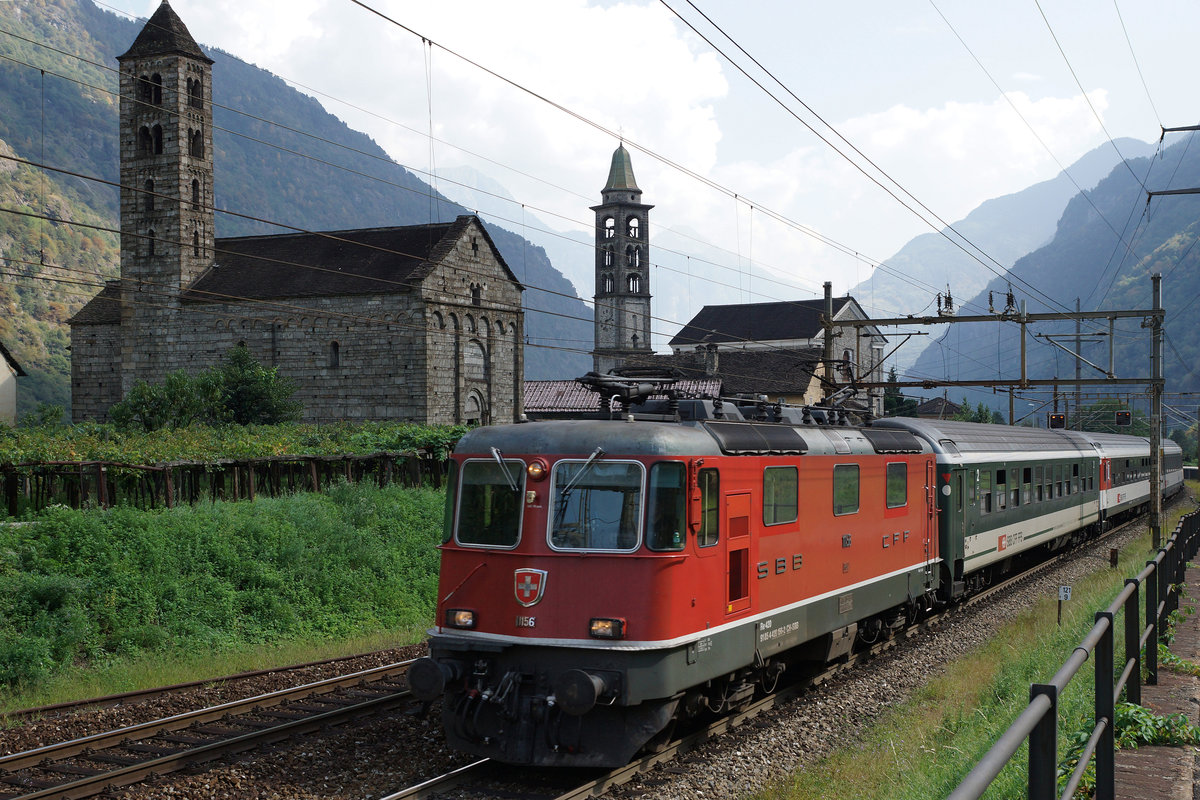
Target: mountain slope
1005,228
1103,252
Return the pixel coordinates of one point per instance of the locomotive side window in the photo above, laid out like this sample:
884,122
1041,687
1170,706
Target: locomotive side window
780,489
710,507
845,489
489,508
597,505
897,485
668,484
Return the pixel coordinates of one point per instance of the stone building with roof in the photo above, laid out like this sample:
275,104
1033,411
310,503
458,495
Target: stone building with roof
419,323
10,370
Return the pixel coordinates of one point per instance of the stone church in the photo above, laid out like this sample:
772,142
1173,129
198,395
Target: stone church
419,323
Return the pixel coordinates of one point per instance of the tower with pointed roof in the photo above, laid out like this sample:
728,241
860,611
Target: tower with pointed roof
622,299
167,224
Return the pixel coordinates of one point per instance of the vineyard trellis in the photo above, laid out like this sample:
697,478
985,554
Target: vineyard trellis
33,486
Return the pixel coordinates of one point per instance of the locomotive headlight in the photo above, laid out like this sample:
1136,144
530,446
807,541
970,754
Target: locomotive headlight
607,628
460,618
536,469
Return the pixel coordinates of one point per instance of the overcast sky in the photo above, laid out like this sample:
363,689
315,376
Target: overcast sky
892,77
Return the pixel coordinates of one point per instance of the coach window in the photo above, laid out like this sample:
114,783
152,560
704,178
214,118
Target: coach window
1074,477
897,485
845,489
490,502
1038,490
1058,480
710,507
780,495
985,490
597,505
1026,484
668,484
1001,489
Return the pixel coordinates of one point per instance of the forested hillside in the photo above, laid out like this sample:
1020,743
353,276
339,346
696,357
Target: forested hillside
278,157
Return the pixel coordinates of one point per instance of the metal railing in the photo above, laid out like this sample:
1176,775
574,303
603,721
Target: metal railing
1039,721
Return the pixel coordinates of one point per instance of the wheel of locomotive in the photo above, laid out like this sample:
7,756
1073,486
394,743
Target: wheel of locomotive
870,630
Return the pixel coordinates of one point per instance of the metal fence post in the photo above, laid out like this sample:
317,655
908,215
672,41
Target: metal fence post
1152,625
1043,747
1105,709
1133,648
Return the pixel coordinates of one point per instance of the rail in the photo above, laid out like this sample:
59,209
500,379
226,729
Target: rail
1038,723
34,485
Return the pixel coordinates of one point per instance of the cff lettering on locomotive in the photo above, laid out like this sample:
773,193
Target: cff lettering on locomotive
606,578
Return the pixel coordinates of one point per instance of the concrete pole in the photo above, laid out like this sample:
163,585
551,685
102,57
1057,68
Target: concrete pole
828,354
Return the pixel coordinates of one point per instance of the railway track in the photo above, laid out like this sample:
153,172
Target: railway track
93,764
485,778
140,695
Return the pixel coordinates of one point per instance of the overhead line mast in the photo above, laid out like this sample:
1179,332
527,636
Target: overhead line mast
1152,318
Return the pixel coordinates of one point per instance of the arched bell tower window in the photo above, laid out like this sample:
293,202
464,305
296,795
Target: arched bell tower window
144,90
608,256
196,243
633,257
195,193
150,243
148,197
609,284
610,227
195,90
156,89
196,146
335,355
157,134
145,141
635,283
634,228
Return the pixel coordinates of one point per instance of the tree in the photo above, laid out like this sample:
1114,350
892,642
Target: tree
980,413
254,395
894,403
241,391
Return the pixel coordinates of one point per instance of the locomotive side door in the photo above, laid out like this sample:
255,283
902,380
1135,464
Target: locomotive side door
931,509
737,571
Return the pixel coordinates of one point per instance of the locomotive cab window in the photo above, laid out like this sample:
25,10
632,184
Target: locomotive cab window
597,505
710,507
667,501
897,485
780,491
490,503
845,489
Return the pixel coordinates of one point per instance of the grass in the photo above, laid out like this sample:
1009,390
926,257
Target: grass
122,596
923,748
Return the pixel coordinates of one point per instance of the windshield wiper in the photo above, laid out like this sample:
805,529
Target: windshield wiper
512,484
599,451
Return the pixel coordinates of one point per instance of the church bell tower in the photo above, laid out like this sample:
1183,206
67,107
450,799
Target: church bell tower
166,186
622,299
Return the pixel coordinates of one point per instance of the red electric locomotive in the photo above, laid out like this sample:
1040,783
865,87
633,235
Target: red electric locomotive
603,579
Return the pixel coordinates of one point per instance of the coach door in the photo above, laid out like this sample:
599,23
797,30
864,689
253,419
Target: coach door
931,509
737,572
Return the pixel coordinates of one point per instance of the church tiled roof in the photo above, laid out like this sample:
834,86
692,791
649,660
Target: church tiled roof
770,372
103,309
756,322
363,261
164,33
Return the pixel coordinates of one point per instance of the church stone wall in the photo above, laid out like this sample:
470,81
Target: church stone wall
95,371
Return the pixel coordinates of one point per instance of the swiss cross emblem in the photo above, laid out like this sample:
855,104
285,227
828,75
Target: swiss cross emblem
529,585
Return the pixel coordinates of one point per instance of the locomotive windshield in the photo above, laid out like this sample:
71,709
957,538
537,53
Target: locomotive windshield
489,507
597,505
